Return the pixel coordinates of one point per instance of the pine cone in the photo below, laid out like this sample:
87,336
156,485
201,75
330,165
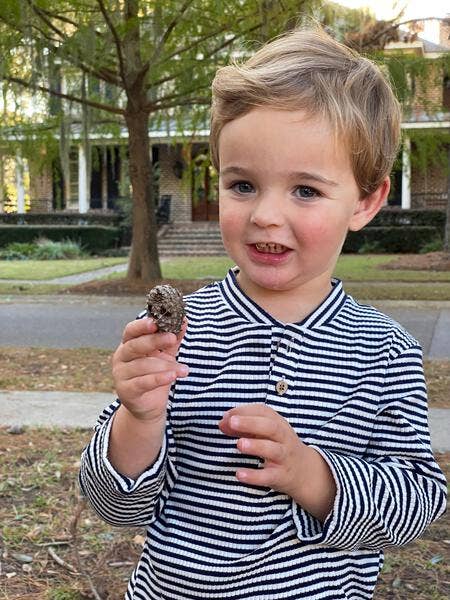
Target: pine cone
165,305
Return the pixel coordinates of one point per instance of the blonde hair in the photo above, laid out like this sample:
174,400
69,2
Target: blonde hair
308,70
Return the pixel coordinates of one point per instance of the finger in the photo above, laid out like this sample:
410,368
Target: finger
144,366
146,383
266,477
254,426
137,328
266,449
145,345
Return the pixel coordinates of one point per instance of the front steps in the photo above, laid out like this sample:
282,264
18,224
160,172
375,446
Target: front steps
191,239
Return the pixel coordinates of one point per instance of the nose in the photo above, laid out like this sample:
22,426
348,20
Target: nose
267,210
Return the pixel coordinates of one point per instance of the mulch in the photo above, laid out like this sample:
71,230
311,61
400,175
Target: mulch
133,287
432,261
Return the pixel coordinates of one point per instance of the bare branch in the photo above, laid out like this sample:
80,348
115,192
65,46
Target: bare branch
72,98
116,38
60,561
80,507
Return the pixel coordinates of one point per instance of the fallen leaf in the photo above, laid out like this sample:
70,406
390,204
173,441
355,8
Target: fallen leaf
139,540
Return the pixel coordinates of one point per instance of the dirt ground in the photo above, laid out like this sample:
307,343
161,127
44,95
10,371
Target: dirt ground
54,547
127,287
432,261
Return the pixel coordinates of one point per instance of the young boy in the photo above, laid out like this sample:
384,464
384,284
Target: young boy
295,446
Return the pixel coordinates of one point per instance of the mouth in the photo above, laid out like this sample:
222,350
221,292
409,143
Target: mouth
270,248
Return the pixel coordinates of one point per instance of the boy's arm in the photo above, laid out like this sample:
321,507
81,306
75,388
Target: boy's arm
118,498
387,496
123,468
391,494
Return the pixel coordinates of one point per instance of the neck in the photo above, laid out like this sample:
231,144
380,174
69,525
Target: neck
288,306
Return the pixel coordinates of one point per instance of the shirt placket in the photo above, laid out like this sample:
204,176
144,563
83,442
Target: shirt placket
281,371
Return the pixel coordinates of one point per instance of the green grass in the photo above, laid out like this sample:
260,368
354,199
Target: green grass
366,267
196,267
49,269
350,267
361,274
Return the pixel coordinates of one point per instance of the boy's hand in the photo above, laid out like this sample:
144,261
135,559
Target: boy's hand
290,466
144,367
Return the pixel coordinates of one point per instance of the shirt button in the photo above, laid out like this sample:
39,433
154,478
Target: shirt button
281,387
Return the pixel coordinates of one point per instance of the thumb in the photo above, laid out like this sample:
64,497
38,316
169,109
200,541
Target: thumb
173,349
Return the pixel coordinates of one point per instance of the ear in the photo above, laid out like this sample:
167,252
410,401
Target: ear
368,207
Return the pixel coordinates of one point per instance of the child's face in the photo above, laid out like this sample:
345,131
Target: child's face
287,197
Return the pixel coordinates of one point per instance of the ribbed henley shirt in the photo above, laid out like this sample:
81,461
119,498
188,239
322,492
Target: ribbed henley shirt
355,391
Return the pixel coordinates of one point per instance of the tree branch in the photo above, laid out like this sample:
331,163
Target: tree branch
72,98
168,31
191,102
397,25
162,101
214,51
116,38
214,34
37,11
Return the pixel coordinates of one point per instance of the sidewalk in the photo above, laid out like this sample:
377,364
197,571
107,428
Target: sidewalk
77,409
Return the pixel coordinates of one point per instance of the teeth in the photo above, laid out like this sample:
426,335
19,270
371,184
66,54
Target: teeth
271,248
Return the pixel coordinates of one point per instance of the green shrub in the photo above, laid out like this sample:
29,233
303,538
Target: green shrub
407,239
420,217
371,247
50,250
90,237
435,245
42,249
17,251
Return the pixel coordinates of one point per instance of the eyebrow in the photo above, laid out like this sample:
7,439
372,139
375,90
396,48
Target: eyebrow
293,175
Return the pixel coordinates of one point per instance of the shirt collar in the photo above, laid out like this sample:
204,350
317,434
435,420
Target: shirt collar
241,304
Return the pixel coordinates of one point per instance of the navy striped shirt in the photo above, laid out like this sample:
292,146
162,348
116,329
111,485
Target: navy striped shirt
356,392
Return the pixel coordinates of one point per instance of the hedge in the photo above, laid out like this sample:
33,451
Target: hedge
91,237
391,239
61,218
414,217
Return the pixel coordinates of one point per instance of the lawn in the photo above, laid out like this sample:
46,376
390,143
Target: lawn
56,548
39,270
364,276
350,267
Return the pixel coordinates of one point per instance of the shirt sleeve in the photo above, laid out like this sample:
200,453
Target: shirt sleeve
118,499
396,489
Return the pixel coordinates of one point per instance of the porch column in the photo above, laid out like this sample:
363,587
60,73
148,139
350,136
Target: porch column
406,173
20,185
83,205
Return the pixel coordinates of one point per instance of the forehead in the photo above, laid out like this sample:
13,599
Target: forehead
282,140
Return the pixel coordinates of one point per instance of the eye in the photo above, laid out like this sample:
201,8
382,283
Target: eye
306,192
242,187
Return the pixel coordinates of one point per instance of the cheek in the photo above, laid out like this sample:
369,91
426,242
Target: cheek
230,222
322,234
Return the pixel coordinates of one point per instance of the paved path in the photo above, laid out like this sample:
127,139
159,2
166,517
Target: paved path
69,321
76,409
74,279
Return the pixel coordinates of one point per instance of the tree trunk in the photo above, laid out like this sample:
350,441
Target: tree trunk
447,221
144,260
104,180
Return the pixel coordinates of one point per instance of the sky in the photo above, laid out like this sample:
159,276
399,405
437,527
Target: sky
385,9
